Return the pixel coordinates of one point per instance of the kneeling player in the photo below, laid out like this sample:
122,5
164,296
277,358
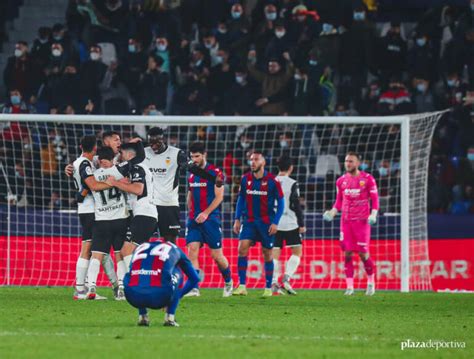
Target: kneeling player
154,280
204,224
356,191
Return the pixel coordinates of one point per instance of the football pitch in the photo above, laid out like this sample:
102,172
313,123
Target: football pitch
47,323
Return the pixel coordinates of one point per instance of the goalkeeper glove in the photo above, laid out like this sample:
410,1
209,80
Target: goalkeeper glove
328,216
373,217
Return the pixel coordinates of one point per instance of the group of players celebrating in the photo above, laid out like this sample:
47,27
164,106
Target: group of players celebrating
127,192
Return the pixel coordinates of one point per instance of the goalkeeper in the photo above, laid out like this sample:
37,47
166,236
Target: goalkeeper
356,193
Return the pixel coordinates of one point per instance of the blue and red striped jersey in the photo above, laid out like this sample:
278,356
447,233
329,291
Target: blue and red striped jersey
260,199
153,264
202,192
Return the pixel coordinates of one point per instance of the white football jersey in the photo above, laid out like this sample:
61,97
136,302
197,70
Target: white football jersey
288,221
109,204
142,205
83,168
164,169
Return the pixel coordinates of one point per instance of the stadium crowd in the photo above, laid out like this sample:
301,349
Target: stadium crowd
260,57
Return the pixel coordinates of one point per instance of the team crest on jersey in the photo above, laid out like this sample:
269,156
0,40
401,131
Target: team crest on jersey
168,161
362,183
249,183
264,183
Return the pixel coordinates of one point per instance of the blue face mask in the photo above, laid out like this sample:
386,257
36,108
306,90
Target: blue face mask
451,83
15,99
313,62
271,16
421,87
327,27
421,42
383,171
470,156
236,14
132,48
153,113
363,166
359,16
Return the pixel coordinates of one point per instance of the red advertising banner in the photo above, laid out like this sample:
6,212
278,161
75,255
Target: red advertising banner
52,261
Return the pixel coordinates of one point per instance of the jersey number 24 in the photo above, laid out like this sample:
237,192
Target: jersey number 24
161,251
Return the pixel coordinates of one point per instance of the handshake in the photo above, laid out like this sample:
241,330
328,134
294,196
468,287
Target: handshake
328,216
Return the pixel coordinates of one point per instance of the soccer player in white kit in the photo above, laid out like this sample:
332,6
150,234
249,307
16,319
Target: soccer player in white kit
290,228
356,195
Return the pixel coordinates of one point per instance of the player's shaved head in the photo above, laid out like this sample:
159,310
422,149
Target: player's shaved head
88,144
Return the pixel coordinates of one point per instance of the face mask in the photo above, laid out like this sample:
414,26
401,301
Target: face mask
451,83
340,113
313,62
208,45
219,59
283,144
472,7
359,16
280,34
95,56
363,166
56,52
236,14
470,156
249,163
421,42
162,47
18,53
198,63
15,100
58,37
153,113
298,77
421,87
245,145
132,48
301,18
327,27
43,41
113,7
383,171
271,16
222,30
239,79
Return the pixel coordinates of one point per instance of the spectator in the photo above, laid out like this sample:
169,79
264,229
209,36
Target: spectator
21,72
241,97
396,100
421,59
134,63
392,54
92,74
154,83
220,80
423,99
41,49
274,85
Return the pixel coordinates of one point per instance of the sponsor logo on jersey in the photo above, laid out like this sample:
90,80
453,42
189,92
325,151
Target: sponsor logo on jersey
352,191
257,193
146,272
89,171
198,184
158,170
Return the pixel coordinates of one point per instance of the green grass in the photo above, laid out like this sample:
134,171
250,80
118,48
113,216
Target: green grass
47,323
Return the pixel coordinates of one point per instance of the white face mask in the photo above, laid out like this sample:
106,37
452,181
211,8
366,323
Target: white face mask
208,45
219,59
283,144
56,52
18,53
95,56
239,79
162,47
298,77
280,34
245,145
